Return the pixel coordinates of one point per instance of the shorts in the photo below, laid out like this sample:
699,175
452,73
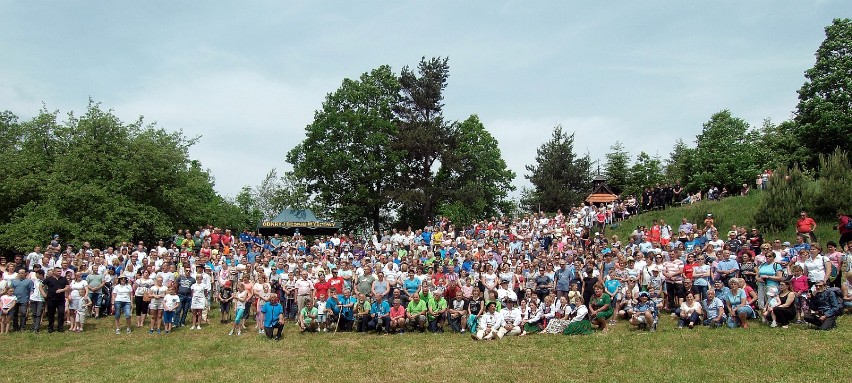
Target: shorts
239,315
225,307
321,318
198,303
96,299
155,304
122,306
168,316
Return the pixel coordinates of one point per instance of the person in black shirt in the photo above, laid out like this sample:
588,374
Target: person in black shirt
57,288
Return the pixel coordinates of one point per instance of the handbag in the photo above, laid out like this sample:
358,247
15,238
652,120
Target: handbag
146,297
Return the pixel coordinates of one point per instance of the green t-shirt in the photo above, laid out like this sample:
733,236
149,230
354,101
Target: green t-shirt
437,306
416,308
307,312
95,279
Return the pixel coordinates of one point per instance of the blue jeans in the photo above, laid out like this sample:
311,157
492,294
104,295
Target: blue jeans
96,299
183,309
733,320
122,306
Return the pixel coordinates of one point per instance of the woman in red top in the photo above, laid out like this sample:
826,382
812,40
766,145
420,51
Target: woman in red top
689,266
321,286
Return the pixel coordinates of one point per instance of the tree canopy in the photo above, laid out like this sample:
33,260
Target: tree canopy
560,178
95,178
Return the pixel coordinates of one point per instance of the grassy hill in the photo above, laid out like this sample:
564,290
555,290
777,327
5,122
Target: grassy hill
739,210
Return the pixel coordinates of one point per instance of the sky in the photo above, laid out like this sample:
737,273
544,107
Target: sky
247,77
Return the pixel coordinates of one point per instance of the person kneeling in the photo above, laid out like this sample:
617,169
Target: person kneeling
273,317
308,316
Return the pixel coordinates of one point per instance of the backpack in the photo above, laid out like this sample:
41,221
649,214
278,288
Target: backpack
848,223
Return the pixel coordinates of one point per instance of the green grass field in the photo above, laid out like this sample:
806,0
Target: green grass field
757,354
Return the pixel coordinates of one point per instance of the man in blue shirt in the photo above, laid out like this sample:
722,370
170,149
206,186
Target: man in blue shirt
380,313
273,317
347,304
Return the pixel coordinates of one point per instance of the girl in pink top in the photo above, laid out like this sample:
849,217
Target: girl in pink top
7,302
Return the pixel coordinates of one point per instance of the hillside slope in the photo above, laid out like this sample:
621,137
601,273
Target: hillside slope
739,210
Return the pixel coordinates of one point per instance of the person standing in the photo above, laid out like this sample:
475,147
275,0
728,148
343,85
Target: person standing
844,227
805,226
184,292
57,288
23,288
37,299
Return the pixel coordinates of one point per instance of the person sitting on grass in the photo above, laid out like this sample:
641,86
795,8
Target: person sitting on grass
273,317
397,317
512,318
362,313
600,307
713,309
825,307
457,313
416,313
489,323
308,316
737,304
690,312
437,311
380,314
645,312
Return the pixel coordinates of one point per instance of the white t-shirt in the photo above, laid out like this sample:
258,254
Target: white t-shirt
170,302
36,294
122,292
78,289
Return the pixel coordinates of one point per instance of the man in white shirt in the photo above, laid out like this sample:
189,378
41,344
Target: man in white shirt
504,293
34,257
511,320
489,323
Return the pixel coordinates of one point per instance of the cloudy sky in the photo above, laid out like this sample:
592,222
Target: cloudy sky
248,76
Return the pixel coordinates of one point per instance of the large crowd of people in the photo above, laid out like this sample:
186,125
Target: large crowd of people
491,279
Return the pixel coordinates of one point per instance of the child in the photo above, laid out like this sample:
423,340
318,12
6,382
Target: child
80,319
575,298
7,302
239,309
225,298
170,304
799,282
773,301
321,314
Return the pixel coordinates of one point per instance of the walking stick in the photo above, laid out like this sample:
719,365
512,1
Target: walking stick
339,315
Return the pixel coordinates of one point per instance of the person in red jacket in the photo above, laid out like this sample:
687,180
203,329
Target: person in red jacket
806,226
843,228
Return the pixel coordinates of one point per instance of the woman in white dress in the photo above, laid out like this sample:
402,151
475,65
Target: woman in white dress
199,301
79,289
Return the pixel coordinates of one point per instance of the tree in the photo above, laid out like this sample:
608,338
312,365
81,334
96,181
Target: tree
646,171
560,178
616,167
98,179
725,155
676,168
789,192
347,158
835,185
824,112
422,138
473,175
779,147
275,194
